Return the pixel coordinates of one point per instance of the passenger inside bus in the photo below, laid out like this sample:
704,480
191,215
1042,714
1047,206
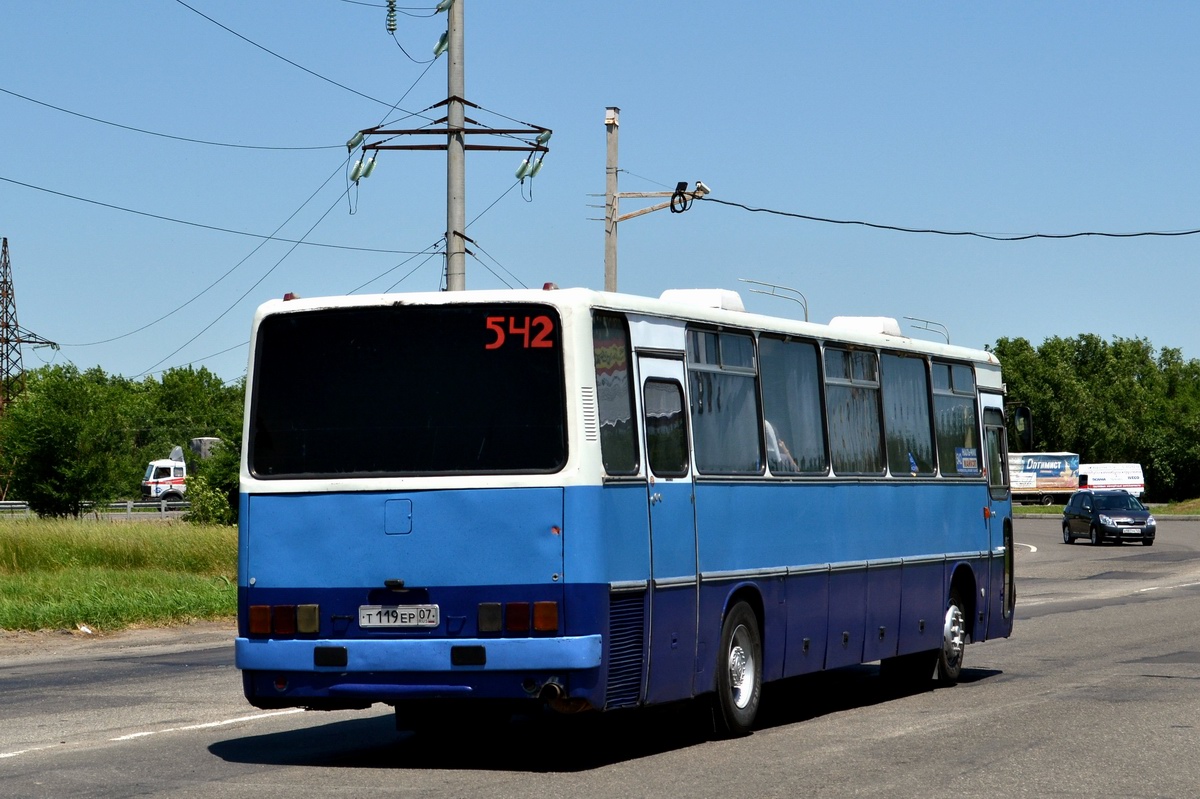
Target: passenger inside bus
778,456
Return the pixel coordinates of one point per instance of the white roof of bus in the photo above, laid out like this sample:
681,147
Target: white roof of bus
690,304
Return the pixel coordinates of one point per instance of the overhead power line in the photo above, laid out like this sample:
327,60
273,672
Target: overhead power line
268,51
200,224
245,294
213,284
933,231
164,135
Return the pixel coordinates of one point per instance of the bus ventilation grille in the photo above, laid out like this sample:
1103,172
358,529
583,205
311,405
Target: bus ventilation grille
627,635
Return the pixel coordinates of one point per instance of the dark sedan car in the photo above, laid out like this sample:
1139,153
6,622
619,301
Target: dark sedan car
1101,516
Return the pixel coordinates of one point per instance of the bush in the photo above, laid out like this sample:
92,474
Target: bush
209,505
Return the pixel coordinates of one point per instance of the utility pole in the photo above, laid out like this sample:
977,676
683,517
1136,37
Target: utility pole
612,121
455,131
680,199
456,160
12,336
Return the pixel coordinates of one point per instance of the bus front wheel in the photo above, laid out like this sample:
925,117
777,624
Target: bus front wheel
739,671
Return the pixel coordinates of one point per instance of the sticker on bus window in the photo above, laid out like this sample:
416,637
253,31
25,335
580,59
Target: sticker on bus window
966,460
523,331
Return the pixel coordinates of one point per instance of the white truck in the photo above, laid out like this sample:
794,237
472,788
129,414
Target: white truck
1043,477
1113,475
166,478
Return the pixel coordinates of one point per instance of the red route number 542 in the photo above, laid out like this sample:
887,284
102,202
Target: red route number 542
531,332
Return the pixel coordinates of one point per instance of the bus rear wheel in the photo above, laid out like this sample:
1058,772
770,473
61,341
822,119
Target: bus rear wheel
954,641
739,672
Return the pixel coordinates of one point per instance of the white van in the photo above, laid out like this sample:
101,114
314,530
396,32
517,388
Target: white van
1113,475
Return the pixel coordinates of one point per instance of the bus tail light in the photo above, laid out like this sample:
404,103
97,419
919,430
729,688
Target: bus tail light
545,617
308,619
284,619
260,619
516,617
491,618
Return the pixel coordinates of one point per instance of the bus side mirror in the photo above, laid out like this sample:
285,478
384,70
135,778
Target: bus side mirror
1023,424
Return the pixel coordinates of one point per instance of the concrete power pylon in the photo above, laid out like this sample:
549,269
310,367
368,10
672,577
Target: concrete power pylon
12,336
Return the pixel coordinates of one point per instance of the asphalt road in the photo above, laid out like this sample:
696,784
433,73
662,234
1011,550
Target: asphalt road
1094,695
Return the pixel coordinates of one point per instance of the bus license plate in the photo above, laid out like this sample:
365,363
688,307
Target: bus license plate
398,616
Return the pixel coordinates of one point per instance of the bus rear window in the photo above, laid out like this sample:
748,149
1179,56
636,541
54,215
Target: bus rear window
408,390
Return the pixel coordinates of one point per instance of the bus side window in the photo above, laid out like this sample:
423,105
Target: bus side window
666,428
955,420
614,394
906,416
852,402
724,402
791,389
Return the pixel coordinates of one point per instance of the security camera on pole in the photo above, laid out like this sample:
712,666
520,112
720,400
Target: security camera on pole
680,199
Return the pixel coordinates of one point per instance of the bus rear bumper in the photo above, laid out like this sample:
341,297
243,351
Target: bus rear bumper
409,655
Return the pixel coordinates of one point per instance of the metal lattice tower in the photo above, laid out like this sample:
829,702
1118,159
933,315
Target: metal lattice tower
12,336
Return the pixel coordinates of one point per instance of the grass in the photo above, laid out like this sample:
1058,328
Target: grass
58,574
1190,507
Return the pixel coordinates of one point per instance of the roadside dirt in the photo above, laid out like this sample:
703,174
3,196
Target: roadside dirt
51,644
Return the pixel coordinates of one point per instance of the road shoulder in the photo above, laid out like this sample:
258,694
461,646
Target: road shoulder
19,646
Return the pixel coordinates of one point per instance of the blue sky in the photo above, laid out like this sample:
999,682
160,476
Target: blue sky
1001,118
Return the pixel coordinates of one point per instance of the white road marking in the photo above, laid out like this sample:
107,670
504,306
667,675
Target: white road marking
206,725
23,751
210,724
1032,548
1168,587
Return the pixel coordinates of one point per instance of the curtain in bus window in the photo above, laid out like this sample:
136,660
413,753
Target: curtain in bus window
725,423
852,404
996,477
791,386
666,429
854,430
614,394
906,415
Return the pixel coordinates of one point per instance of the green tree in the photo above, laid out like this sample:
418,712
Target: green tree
1112,402
64,440
77,438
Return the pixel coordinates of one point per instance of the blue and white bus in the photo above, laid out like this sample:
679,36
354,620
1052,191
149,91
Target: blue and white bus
592,501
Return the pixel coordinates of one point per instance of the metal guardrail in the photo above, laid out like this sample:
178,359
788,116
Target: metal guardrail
126,508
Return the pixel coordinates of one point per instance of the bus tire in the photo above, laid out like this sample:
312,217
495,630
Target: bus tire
739,672
1047,499
954,640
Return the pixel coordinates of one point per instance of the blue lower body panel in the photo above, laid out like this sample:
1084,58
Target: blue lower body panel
580,652
290,672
